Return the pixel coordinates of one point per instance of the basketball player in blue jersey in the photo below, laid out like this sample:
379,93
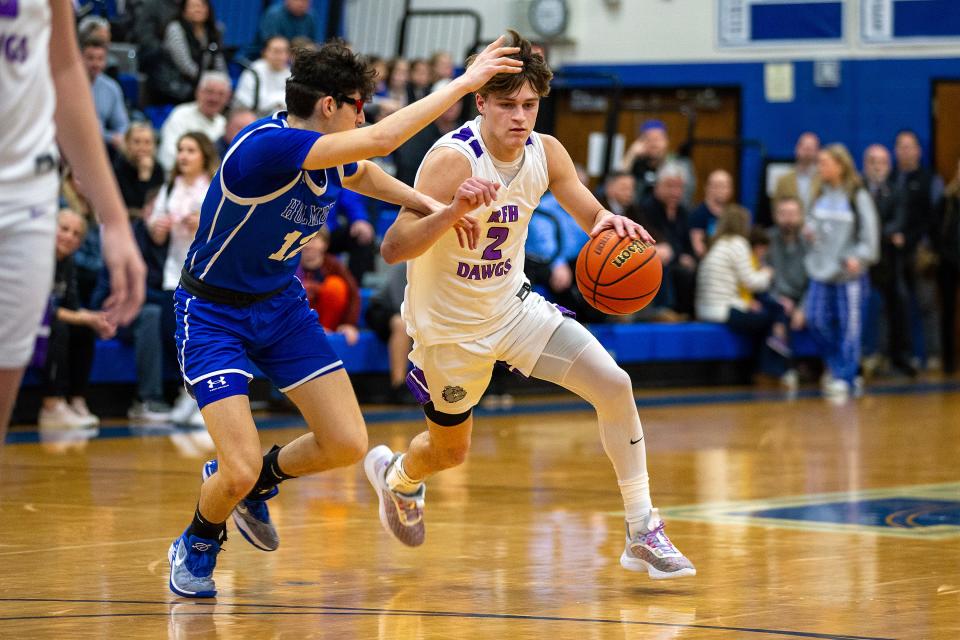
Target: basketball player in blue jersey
469,307
239,301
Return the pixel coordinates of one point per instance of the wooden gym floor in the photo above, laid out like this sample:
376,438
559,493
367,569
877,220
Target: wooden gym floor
805,520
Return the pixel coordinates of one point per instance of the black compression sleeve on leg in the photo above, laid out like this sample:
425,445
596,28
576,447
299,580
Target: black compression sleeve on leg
270,474
445,419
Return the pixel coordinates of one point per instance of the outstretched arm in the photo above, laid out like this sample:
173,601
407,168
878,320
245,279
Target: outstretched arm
388,134
446,178
79,136
579,202
372,181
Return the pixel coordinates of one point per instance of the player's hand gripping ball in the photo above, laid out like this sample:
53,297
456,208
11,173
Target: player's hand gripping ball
618,275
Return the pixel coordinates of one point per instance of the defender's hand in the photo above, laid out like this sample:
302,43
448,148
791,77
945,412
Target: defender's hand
490,62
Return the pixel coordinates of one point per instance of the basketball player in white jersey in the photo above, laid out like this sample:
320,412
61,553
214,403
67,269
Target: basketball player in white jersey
45,100
467,308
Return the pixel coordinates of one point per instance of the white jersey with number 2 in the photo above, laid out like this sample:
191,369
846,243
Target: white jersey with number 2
456,294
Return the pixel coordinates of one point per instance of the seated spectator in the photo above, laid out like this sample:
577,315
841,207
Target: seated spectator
666,218
843,239
947,245
718,194
383,317
149,20
728,277
398,78
410,154
137,169
786,256
272,70
419,80
176,213
441,70
237,121
73,333
290,19
94,27
155,257
331,290
147,335
648,154
174,221
619,195
107,94
351,232
192,45
203,115
88,259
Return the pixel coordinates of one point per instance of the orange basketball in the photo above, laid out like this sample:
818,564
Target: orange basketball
618,275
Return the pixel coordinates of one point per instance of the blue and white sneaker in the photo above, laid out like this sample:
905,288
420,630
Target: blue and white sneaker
192,561
252,517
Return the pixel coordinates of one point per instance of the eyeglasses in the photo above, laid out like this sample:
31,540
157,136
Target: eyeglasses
356,102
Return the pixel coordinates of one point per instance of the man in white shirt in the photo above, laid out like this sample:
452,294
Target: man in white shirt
203,115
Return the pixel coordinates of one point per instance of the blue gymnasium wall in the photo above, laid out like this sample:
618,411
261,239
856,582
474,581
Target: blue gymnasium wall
875,99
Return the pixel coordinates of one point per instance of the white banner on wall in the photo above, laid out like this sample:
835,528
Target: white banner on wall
779,22
734,22
877,20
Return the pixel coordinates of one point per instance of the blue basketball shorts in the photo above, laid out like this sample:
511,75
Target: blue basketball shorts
282,336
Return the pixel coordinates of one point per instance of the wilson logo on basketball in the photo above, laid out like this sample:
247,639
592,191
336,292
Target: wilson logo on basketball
634,248
601,243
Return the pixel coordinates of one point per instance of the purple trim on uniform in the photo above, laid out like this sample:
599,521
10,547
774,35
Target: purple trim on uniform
529,140
9,8
566,312
417,383
476,148
464,134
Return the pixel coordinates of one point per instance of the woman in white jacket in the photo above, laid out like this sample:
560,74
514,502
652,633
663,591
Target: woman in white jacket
726,279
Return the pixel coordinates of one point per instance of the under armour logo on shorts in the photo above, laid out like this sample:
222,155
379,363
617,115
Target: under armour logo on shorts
216,383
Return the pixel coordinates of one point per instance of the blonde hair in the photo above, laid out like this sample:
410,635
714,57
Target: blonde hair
734,221
849,178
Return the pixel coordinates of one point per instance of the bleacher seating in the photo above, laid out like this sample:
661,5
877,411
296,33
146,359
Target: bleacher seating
629,344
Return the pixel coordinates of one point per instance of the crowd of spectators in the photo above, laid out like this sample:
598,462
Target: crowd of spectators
866,264
856,260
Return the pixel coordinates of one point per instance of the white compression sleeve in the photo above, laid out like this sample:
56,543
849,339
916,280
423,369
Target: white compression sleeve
575,360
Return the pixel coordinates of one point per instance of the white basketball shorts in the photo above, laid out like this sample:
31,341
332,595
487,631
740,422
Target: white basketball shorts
457,374
27,239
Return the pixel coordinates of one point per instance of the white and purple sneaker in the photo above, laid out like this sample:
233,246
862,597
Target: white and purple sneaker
650,550
400,514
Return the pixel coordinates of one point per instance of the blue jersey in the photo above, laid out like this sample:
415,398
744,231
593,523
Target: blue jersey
262,208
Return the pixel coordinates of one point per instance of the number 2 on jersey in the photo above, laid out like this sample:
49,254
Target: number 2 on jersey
284,252
499,235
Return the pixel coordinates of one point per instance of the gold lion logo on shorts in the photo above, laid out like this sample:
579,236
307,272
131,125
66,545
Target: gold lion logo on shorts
453,394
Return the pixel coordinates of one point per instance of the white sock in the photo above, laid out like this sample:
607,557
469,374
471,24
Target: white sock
399,481
636,501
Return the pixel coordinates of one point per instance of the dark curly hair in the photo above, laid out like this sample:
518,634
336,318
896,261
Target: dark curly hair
331,70
535,70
